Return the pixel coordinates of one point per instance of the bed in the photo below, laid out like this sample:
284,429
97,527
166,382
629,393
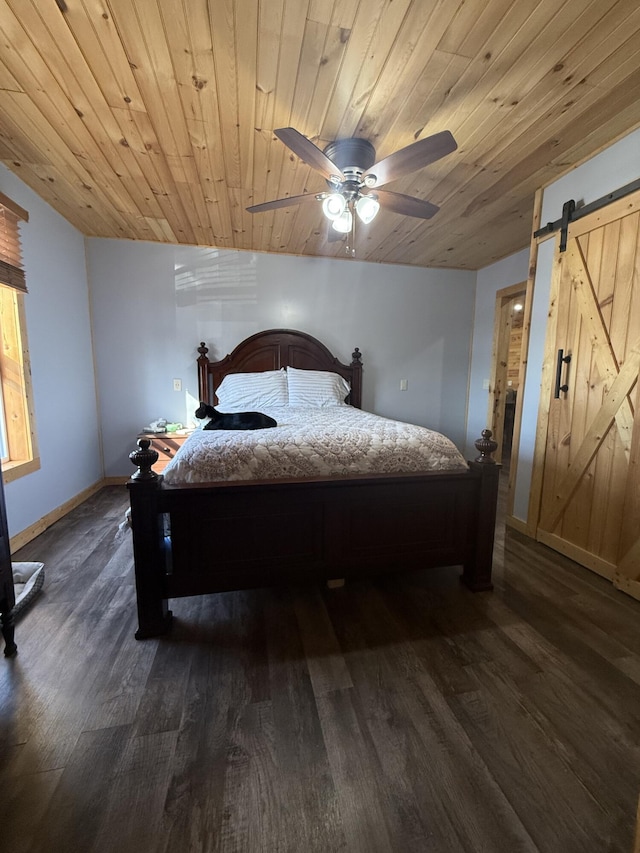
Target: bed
212,535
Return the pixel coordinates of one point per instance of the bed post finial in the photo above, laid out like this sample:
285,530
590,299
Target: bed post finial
355,398
144,458
486,447
203,374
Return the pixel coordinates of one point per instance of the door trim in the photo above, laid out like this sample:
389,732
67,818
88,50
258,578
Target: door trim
522,375
499,357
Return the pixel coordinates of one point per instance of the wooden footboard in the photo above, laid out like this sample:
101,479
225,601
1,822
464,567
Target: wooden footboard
193,540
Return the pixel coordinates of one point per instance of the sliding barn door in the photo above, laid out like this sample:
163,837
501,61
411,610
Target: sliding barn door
590,498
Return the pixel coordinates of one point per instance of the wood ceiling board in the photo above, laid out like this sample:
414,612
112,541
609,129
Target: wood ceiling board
166,111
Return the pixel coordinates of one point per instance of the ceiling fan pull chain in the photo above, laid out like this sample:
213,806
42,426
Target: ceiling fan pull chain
350,248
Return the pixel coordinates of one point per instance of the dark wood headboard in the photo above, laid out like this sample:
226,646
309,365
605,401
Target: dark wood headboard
272,350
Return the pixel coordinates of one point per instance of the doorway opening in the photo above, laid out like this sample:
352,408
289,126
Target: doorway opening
505,368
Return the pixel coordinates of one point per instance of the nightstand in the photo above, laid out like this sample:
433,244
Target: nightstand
166,444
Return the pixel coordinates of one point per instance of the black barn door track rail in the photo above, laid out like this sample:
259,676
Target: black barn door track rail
571,213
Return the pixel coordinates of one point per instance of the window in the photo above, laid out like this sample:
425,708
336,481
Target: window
18,441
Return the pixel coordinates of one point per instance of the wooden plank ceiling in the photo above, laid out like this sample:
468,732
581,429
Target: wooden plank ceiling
153,119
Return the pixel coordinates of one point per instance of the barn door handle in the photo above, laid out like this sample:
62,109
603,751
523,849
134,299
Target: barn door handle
562,359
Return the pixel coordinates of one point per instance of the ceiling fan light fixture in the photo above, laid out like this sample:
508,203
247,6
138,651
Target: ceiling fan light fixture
367,208
350,169
343,223
334,206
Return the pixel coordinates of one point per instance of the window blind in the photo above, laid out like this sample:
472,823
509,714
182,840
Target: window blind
11,268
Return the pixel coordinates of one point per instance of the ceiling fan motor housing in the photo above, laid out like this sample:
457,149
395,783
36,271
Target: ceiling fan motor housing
353,156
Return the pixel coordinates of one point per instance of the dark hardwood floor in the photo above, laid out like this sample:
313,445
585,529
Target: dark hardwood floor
396,715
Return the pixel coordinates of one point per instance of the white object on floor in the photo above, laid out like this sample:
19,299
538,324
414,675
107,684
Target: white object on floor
27,581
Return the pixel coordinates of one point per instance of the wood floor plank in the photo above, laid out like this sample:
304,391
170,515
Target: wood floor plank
594,727
359,778
78,804
162,701
120,691
252,815
396,714
194,815
412,723
63,692
591,744
413,817
327,667
607,685
307,796
28,794
135,800
550,802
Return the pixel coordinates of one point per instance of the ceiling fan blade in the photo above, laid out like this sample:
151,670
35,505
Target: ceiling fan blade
284,202
406,204
415,156
309,153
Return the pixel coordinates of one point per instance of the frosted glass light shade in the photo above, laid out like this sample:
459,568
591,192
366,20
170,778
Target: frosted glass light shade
334,205
343,223
367,208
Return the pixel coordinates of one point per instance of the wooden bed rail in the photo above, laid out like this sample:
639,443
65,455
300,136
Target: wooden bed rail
316,530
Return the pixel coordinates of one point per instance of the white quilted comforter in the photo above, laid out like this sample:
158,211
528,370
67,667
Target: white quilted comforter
313,442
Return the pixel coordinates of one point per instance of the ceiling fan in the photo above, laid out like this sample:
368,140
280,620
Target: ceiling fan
353,177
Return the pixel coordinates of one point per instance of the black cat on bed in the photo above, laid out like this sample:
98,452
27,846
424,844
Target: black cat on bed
236,420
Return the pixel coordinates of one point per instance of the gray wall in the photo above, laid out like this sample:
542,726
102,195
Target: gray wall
152,304
58,328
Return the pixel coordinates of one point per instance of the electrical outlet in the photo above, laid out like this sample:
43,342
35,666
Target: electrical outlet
404,384
177,384
486,384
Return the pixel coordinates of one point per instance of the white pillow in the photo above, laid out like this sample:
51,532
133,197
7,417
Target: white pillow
316,388
243,392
